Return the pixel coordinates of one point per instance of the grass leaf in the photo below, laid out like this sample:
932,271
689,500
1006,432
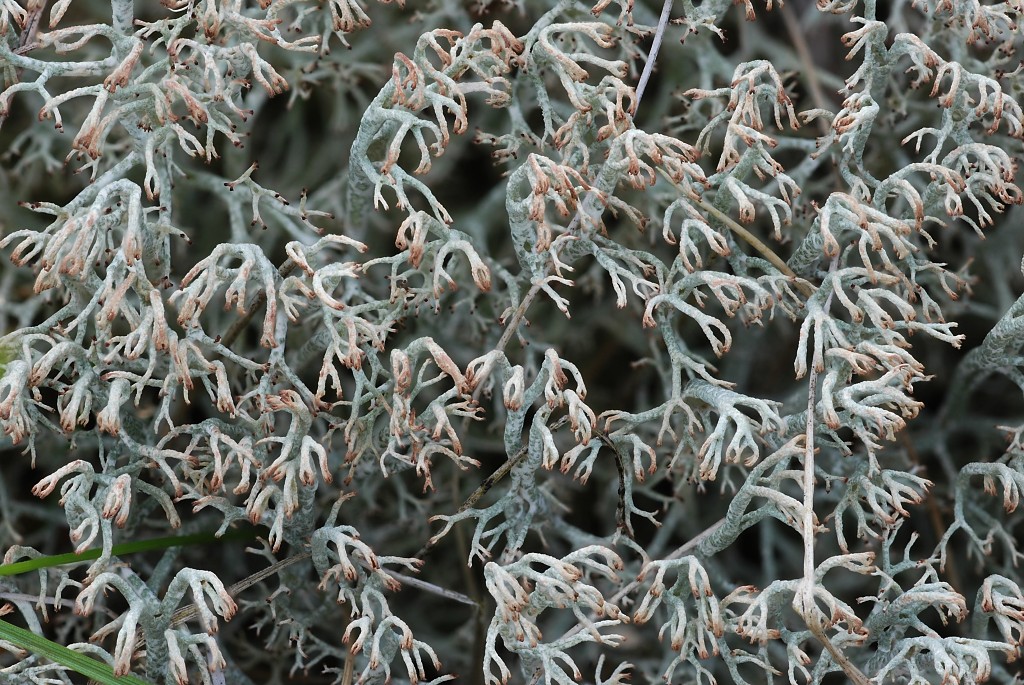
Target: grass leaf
80,663
120,550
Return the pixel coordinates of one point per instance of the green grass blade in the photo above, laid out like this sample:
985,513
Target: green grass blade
121,550
80,663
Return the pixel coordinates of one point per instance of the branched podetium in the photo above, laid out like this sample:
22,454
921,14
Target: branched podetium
676,326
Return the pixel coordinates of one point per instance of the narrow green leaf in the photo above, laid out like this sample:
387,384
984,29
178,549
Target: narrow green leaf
121,550
80,663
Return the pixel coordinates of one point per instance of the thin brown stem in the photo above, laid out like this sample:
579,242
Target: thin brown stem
517,317
481,490
810,69
348,673
759,245
186,613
